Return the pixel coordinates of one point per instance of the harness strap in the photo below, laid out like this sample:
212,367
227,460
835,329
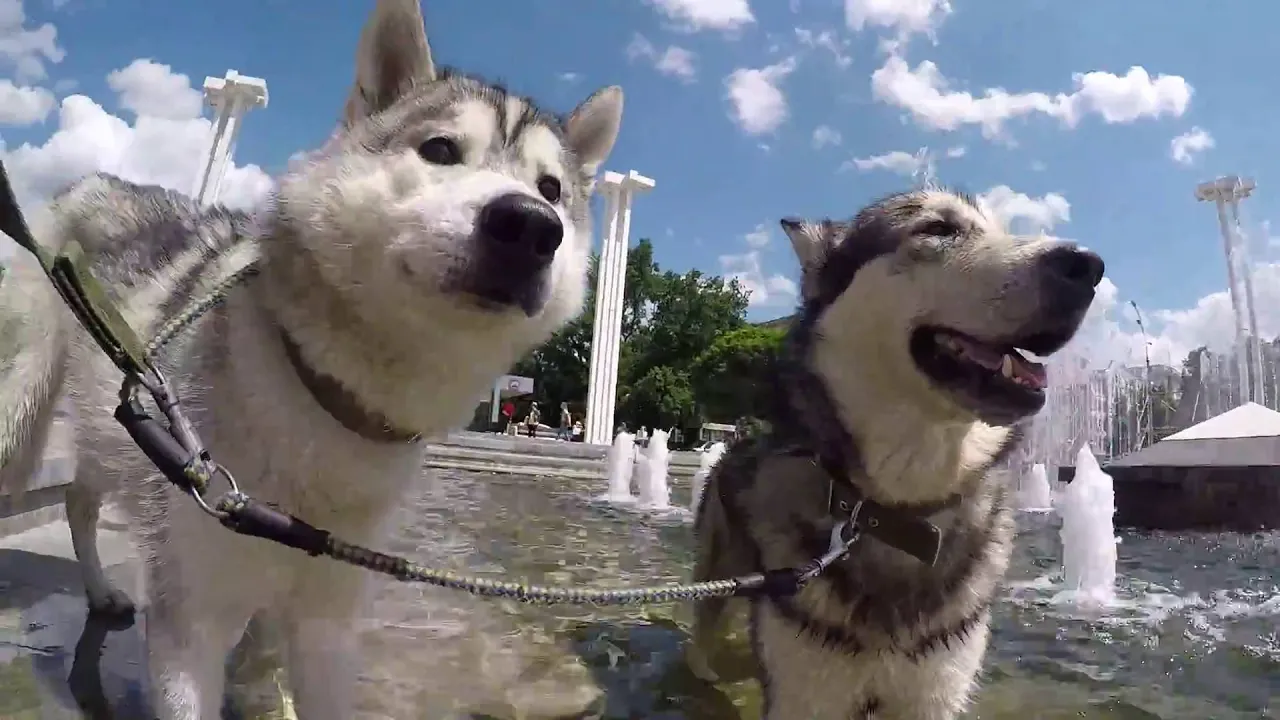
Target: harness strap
905,527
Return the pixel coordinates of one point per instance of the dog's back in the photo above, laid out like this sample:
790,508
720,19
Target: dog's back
154,252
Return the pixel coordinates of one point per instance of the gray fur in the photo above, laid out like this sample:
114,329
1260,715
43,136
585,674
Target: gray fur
880,634
374,262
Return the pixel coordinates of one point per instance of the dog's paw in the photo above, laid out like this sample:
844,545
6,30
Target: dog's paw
111,602
699,664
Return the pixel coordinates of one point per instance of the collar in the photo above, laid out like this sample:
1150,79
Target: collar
905,527
341,404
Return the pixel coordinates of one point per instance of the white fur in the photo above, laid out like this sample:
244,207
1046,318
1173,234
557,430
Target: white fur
354,271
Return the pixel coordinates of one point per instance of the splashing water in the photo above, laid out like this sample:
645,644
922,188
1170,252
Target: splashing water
1088,534
706,462
621,463
655,494
1034,494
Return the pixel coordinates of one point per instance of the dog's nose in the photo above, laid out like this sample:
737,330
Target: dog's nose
1075,265
522,225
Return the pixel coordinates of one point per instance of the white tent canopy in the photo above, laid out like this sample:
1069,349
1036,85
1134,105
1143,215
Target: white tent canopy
1247,421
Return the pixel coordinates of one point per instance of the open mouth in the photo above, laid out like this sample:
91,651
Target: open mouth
999,381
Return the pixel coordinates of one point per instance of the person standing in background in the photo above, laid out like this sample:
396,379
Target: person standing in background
566,422
508,416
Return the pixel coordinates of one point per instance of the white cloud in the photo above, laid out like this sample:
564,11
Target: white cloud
764,289
164,149
902,163
20,105
759,237
148,88
696,15
1111,335
904,17
674,61
1025,213
1184,148
758,104
825,135
569,77
826,40
956,152
925,94
26,49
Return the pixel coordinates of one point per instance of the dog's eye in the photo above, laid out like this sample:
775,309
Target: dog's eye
939,228
549,187
440,151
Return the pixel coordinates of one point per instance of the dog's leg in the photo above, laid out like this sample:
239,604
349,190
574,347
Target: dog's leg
322,641
84,503
188,642
714,562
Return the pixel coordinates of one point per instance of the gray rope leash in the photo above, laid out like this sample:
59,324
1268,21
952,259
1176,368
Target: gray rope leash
244,515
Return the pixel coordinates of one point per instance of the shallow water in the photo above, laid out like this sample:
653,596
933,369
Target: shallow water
1195,634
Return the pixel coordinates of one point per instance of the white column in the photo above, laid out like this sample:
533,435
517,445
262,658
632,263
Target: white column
606,335
231,98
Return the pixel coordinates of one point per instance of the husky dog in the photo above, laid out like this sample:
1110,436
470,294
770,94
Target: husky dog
903,386
440,235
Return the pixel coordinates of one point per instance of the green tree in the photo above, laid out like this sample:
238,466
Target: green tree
669,319
661,399
733,377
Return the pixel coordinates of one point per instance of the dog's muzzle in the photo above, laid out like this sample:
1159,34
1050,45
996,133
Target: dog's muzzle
516,240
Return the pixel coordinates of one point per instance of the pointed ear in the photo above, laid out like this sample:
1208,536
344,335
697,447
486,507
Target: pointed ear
811,240
593,127
392,57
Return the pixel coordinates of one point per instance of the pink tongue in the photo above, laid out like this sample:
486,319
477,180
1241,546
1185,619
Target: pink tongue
984,355
1032,372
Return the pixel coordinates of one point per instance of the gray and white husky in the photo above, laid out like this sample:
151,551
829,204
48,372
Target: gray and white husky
441,234
903,386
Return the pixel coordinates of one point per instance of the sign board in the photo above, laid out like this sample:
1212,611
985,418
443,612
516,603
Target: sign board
512,385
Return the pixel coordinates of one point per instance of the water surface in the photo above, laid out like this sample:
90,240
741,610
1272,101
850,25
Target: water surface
1195,635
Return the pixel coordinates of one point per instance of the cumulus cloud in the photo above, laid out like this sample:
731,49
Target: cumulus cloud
165,144
903,17
1186,147
1024,213
21,105
825,135
928,99
897,161
694,15
764,289
675,61
826,40
757,103
26,49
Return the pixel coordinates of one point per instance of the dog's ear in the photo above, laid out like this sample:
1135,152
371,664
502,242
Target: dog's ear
812,240
392,57
593,126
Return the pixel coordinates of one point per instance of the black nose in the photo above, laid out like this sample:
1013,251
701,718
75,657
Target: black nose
522,226
1074,265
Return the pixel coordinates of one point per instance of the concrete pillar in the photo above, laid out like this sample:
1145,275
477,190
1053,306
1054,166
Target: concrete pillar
231,98
606,337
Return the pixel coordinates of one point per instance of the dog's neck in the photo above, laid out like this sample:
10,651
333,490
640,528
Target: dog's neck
341,403
894,451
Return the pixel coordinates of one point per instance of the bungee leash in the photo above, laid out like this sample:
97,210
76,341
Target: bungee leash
176,450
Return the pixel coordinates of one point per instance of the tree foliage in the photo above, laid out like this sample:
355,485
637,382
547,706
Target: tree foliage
670,321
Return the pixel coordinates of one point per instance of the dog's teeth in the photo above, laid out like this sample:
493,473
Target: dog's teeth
1032,356
1006,367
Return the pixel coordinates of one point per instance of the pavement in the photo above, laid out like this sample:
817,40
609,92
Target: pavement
53,660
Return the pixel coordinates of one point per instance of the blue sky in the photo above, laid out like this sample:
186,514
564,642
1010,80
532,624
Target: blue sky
721,173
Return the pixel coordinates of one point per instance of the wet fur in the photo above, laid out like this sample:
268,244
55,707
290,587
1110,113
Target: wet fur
366,254
879,635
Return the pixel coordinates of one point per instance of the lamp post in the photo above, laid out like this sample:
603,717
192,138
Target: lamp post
231,97
1226,193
